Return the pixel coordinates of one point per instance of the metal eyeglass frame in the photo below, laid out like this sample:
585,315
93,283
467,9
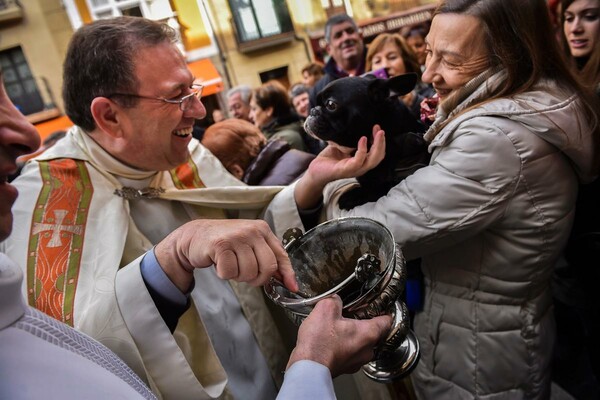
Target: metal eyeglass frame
184,102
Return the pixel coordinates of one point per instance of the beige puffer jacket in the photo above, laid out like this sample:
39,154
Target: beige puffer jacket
489,216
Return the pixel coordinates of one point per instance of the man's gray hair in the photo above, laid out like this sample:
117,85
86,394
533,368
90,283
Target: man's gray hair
336,20
245,92
298,89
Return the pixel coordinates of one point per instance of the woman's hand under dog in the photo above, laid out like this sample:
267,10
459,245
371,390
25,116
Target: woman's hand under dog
335,163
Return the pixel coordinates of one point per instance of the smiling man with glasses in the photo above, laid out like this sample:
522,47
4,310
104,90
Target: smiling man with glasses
124,177
185,102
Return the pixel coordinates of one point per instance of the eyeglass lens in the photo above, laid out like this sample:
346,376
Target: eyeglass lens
186,102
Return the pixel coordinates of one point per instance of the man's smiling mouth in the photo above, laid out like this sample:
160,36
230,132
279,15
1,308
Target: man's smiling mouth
183,132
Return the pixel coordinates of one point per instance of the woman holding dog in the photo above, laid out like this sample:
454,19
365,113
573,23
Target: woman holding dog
514,135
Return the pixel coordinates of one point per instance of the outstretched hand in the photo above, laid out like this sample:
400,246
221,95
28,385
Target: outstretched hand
341,344
242,250
335,163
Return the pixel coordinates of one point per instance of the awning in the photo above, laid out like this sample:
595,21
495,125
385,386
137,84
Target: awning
207,75
61,123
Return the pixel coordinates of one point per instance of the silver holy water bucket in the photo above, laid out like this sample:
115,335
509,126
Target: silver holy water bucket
357,259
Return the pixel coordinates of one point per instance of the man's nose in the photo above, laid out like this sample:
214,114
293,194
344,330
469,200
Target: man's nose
197,110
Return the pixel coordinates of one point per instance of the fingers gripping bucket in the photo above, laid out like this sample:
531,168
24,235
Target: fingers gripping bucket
357,259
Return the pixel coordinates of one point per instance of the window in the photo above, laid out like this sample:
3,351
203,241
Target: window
261,23
114,8
20,84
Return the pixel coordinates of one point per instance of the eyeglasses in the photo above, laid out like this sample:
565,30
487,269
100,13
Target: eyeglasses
185,102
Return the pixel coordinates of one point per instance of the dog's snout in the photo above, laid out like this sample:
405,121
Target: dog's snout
315,111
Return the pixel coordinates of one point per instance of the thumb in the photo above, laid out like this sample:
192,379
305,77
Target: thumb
287,274
382,325
284,273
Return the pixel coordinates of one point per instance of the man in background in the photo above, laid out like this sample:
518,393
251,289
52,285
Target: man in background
346,49
238,102
299,94
300,101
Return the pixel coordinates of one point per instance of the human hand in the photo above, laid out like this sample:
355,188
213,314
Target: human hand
429,109
335,163
242,250
341,344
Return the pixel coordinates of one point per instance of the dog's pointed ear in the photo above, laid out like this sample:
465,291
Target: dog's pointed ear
402,84
378,90
382,89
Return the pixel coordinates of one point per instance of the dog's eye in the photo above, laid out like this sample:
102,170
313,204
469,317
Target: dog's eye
330,105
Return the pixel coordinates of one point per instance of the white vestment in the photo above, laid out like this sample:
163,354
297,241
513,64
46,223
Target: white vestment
42,358
79,224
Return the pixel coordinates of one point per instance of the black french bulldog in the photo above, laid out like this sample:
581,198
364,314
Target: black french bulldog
348,108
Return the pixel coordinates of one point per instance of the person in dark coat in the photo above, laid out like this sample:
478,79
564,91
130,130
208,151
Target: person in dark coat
245,151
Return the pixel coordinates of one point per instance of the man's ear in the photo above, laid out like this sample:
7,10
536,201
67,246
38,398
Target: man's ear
107,115
269,111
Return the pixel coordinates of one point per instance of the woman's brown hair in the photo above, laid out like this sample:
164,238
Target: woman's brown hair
273,94
408,56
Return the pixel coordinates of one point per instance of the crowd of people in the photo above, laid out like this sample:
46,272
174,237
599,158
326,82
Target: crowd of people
141,251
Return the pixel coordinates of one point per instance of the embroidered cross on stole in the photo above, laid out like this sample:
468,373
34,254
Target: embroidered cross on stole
56,238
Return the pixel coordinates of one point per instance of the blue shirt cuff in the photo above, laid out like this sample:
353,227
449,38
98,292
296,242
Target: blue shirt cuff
307,379
155,278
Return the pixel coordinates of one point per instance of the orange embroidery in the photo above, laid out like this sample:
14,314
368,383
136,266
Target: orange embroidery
186,176
56,237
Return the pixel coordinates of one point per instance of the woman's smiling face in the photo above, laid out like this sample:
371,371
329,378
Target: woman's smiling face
390,58
456,52
582,26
